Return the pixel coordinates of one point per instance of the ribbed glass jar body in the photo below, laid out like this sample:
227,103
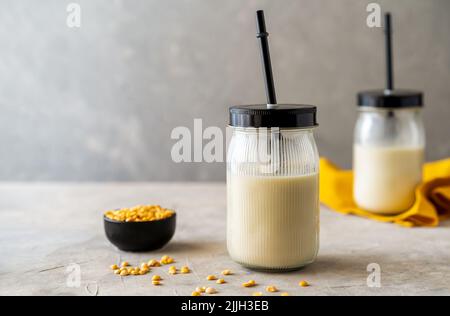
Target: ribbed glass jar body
273,198
389,146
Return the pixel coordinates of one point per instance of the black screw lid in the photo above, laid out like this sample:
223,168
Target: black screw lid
283,116
391,98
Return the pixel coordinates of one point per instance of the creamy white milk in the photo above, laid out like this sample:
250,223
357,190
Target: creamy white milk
273,222
386,177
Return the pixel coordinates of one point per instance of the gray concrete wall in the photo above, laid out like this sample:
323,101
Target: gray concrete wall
99,103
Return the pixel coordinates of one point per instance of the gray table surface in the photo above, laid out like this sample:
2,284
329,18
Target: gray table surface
48,231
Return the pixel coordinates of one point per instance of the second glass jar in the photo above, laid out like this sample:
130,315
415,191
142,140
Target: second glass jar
389,149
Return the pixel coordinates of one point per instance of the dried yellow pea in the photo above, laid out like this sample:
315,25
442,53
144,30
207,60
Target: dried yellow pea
114,267
303,284
250,283
154,263
156,278
201,289
185,270
271,288
172,270
210,290
166,260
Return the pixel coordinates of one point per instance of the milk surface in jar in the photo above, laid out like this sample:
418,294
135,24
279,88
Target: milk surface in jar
273,187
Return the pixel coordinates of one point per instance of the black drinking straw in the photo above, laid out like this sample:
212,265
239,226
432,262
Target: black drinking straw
265,56
389,59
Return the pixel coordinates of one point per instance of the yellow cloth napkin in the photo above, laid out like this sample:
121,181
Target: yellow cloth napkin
432,196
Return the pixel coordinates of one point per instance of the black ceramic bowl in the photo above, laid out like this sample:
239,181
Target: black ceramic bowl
140,236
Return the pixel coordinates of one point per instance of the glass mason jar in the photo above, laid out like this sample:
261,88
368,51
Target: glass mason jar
389,147
273,187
